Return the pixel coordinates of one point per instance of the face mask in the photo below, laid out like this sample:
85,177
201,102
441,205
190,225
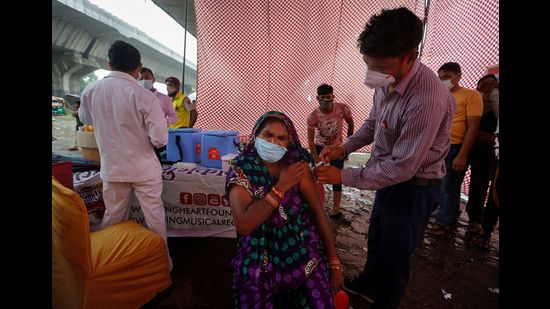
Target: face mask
325,104
375,79
269,152
146,83
171,91
447,83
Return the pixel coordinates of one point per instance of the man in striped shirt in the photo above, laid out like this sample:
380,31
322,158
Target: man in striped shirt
409,127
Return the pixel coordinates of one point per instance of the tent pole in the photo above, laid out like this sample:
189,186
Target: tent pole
425,26
184,48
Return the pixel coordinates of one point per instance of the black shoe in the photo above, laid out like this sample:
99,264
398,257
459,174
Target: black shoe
353,288
484,243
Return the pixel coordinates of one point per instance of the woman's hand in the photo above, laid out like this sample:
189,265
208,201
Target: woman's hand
336,280
291,175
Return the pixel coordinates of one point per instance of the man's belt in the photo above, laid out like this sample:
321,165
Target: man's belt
424,182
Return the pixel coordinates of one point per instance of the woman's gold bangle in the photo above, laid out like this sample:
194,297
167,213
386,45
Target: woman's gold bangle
278,192
271,200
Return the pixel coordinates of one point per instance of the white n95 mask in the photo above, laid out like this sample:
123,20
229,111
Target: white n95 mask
374,79
146,83
448,84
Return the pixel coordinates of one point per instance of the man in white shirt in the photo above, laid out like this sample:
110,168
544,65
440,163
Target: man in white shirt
128,123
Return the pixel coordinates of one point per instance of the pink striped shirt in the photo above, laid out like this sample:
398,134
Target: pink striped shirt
410,128
167,107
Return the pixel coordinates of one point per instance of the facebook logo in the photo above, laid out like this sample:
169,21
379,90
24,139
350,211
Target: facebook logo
186,198
201,199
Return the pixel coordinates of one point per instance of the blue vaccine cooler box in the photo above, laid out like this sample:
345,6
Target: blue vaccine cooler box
184,145
216,144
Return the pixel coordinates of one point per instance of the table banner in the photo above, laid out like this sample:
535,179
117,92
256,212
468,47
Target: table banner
195,203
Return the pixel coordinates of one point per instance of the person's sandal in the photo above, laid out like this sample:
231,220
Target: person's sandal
339,216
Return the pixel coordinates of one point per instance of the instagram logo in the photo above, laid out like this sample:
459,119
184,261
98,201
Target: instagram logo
200,199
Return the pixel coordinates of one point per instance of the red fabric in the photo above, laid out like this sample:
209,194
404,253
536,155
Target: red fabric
256,56
466,32
63,172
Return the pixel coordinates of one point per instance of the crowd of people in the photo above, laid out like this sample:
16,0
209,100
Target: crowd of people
425,130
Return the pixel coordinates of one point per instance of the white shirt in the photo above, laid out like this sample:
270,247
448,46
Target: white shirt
128,122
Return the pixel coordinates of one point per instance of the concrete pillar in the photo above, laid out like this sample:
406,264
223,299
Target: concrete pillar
67,70
67,77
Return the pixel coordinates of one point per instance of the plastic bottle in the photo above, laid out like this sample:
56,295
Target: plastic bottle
341,300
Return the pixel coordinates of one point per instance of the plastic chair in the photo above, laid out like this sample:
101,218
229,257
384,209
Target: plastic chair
121,266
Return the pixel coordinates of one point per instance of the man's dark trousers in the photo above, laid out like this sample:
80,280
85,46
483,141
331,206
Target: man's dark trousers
398,221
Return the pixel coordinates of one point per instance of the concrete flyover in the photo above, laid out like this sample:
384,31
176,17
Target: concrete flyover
81,36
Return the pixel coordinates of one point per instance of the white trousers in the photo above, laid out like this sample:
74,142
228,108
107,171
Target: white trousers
117,195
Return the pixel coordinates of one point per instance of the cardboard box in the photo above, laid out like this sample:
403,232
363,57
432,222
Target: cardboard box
90,154
226,159
85,139
88,146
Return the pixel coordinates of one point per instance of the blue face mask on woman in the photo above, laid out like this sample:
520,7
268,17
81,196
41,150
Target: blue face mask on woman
269,152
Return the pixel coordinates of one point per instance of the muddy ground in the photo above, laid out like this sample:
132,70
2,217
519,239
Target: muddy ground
452,262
